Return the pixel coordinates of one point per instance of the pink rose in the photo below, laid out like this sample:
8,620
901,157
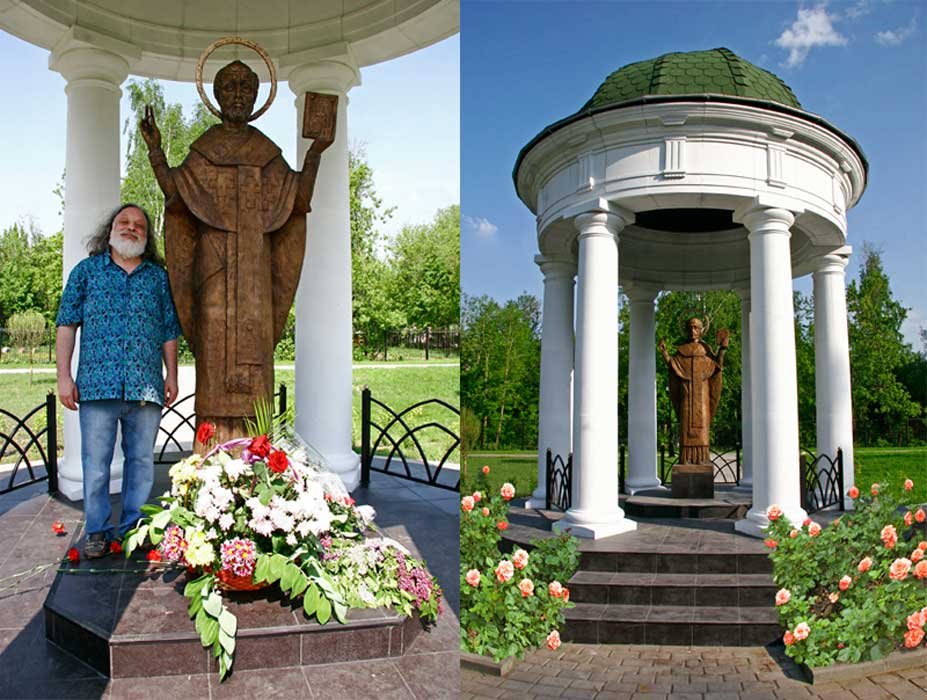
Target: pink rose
853,492
473,577
477,496
814,529
783,596
833,597
486,469
889,536
865,565
793,534
774,512
915,620
916,556
922,546
874,489
919,515
520,559
467,503
899,569
526,587
485,511
507,491
920,570
504,571
806,522
908,484
553,640
913,637
802,630
909,518
844,583
788,638
555,589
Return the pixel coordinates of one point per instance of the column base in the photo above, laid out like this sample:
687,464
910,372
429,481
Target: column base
347,466
744,485
654,485
536,503
73,489
576,524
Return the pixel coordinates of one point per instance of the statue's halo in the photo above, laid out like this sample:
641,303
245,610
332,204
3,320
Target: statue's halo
254,47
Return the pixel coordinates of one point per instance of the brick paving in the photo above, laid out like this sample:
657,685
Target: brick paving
639,672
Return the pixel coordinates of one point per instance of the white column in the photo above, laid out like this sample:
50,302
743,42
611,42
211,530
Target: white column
642,392
774,390
833,396
746,407
323,299
91,190
595,512
555,416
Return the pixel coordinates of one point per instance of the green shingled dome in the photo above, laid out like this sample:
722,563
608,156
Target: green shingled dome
718,72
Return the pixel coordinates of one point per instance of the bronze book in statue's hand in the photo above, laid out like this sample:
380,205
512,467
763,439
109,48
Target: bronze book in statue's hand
319,116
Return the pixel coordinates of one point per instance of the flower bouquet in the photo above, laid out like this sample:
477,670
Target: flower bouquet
274,516
857,590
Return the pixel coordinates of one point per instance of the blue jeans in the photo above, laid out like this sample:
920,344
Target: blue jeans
98,420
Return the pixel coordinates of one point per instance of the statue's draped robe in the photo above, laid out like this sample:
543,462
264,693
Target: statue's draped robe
235,233
695,387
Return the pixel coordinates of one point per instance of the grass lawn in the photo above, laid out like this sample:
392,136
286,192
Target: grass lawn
397,386
519,469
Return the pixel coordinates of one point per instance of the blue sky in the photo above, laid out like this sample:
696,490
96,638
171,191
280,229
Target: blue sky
861,65
406,112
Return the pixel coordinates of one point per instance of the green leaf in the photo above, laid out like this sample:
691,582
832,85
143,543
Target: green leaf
201,617
160,520
156,535
262,568
311,600
210,631
323,611
291,575
341,611
213,604
196,605
226,641
299,586
278,564
151,509
875,653
228,623
195,587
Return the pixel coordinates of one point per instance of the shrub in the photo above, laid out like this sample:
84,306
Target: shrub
509,603
856,590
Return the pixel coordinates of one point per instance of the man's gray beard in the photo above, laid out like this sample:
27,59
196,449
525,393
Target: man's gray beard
127,249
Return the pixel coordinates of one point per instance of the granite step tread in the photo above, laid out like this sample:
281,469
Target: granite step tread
635,578
672,614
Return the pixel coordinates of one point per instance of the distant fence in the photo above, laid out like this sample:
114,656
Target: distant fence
390,344
44,351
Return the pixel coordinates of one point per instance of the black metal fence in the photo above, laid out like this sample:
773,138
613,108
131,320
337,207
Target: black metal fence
33,445
559,482
726,461
821,477
376,437
396,344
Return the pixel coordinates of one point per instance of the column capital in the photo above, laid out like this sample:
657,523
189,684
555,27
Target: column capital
764,220
834,262
556,266
331,76
86,63
599,223
640,293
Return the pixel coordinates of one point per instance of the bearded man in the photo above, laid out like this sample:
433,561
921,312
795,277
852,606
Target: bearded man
121,300
235,233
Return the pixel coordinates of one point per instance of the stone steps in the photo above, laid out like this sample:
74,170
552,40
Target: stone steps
699,590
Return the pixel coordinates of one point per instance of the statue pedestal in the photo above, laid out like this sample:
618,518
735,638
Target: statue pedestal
693,481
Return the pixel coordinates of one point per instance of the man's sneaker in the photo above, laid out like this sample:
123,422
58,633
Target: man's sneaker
96,546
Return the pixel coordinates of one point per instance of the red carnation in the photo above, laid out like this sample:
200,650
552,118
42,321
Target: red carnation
58,527
260,446
278,461
154,555
115,547
205,432
73,555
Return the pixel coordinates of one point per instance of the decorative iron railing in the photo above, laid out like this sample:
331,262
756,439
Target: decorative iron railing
33,448
821,477
726,462
559,481
375,436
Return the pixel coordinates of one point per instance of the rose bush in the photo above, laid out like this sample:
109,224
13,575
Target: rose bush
848,592
512,602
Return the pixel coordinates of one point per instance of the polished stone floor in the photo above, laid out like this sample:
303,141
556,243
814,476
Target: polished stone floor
421,517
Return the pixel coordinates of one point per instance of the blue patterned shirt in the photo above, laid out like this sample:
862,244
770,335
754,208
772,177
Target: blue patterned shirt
124,319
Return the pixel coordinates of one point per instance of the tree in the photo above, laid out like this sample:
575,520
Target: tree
31,265
27,329
881,404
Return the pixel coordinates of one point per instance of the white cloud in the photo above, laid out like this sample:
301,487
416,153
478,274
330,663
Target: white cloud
893,38
860,9
812,28
483,228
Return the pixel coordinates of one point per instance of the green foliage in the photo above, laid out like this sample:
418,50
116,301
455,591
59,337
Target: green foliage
31,279
497,617
500,367
866,617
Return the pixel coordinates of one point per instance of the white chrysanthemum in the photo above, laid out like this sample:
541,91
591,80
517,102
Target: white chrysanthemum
262,526
236,468
281,519
226,521
211,534
366,515
304,528
291,539
212,514
321,522
258,510
222,497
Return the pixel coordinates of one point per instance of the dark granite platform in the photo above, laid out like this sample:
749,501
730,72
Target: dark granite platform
727,503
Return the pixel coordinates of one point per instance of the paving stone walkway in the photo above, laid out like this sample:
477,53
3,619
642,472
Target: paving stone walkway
422,518
638,672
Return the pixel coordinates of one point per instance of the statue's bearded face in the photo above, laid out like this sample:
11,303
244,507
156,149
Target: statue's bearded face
695,329
236,88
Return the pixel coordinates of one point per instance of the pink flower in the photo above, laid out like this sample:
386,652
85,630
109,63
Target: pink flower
239,555
774,512
908,518
526,587
802,630
916,556
788,638
864,565
844,583
473,577
913,637
553,640
467,503
833,597
504,571
814,529
520,559
919,515
507,491
485,469
853,492
899,569
915,620
874,489
922,546
908,484
555,589
889,536
477,496
783,596
920,570
806,522
770,542
793,534
485,511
